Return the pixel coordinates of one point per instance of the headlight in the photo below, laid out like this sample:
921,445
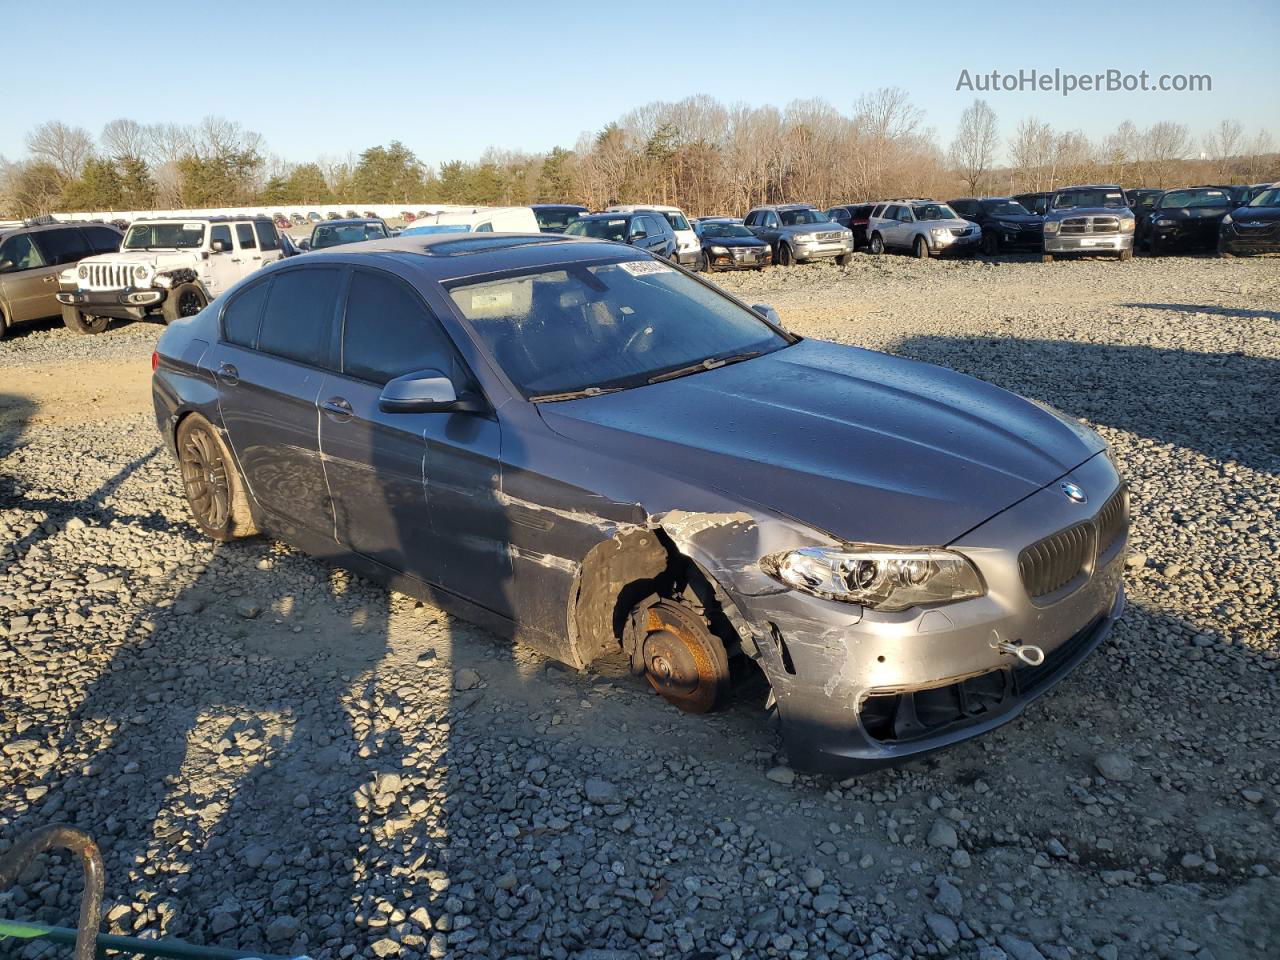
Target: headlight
806,237
83,273
1163,222
882,578
720,251
939,231
140,272
1227,219
1126,226
1052,226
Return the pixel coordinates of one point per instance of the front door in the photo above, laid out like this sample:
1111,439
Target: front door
270,364
416,492
224,264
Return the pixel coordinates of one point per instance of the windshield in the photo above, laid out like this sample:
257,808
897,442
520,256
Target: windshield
327,235
436,228
725,230
1006,208
1194,198
1267,198
612,229
148,236
933,211
555,220
1088,198
795,218
611,325
677,220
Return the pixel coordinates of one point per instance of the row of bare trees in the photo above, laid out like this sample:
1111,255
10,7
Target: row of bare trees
703,155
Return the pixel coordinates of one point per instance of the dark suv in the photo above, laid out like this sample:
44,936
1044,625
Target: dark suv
853,217
33,253
1185,219
1034,202
646,229
334,233
1006,224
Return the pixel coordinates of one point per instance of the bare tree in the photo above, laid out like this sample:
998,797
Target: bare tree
124,138
1260,160
67,148
1032,153
1163,144
973,151
1223,144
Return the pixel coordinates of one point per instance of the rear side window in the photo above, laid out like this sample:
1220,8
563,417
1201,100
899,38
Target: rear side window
389,332
299,315
66,245
244,234
484,228
102,239
268,239
242,315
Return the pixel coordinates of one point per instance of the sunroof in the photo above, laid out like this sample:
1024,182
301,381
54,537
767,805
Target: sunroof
480,244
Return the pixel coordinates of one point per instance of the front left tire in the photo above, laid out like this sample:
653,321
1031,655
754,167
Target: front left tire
184,300
77,321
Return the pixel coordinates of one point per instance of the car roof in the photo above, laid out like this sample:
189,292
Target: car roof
330,223
219,219
786,206
10,228
450,256
557,206
1089,186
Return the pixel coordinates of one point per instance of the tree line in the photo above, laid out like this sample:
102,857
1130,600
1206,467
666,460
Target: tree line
698,153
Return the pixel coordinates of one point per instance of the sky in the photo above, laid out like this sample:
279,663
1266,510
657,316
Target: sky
448,79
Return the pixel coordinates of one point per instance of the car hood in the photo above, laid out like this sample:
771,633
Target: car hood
865,446
1258,214
156,258
734,241
813,227
1190,213
1120,212
1030,219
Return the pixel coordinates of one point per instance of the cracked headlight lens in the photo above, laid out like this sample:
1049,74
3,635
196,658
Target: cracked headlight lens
882,578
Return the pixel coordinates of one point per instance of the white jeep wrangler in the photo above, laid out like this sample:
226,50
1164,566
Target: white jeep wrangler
176,266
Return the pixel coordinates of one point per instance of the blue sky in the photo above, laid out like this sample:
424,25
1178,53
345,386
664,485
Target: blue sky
451,78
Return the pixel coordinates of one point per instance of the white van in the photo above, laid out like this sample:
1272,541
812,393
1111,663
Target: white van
688,248
479,220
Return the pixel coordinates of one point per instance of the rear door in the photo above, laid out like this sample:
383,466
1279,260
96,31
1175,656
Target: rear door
248,257
62,247
268,241
270,364
417,492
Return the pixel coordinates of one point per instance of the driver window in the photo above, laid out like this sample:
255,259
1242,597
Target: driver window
639,228
771,221
220,231
22,252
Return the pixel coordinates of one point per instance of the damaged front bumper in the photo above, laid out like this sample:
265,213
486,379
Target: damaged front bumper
122,304
856,689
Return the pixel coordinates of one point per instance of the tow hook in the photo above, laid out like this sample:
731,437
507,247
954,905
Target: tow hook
1028,653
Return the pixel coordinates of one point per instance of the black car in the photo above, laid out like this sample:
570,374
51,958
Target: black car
333,233
1141,201
646,229
554,217
1253,228
854,217
731,246
1006,224
1185,220
1037,203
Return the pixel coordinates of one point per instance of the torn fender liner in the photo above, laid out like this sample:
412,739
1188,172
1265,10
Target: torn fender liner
598,602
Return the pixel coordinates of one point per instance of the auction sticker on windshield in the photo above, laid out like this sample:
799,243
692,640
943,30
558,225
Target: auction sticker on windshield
193,227
639,268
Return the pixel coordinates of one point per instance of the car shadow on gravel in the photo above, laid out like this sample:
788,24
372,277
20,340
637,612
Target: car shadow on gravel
1219,404
1212,310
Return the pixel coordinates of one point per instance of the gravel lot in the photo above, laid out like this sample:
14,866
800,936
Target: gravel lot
281,757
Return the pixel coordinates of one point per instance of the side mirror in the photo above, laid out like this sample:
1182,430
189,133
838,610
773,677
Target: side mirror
220,246
768,313
426,391
6,266
638,235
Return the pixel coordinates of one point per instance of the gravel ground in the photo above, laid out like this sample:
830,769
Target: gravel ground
281,757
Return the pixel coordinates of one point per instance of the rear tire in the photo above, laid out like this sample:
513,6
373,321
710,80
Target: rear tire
4,325
877,244
79,322
703,265
184,300
990,244
920,248
1046,258
214,491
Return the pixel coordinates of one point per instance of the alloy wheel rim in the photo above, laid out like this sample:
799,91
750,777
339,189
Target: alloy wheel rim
204,474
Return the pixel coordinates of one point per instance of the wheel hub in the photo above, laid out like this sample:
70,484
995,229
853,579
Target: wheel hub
683,662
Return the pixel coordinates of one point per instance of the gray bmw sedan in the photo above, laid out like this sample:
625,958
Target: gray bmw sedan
594,452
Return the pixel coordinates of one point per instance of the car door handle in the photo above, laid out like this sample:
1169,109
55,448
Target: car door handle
228,374
52,278
337,409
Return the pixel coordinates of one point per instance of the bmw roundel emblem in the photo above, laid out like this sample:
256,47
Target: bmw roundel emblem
1074,492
